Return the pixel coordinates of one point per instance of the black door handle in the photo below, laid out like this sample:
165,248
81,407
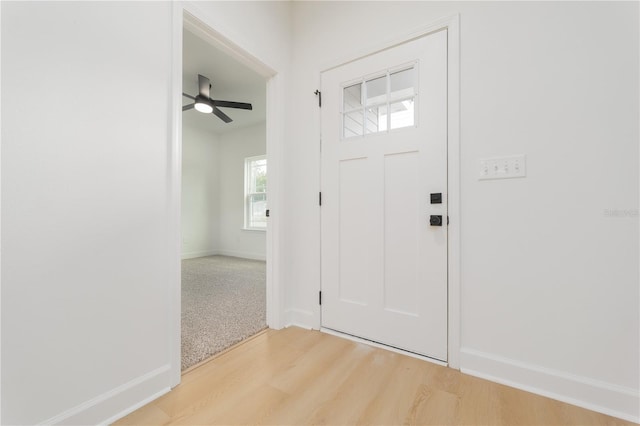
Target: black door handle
435,220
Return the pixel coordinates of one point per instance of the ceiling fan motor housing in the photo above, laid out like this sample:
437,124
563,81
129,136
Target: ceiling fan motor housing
203,104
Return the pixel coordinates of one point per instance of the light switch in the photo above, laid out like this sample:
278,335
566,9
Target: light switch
503,167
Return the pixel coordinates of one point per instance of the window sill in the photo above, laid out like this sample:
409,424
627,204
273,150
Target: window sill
254,229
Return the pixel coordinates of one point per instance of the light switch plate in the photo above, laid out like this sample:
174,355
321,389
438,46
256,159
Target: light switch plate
514,166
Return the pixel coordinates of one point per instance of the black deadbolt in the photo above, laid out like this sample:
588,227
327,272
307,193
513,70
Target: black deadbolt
435,220
436,198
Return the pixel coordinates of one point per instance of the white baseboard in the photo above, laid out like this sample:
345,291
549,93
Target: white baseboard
123,400
232,253
243,254
606,398
194,254
299,318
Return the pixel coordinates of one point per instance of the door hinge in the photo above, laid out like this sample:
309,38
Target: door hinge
320,198
319,95
447,220
267,213
320,297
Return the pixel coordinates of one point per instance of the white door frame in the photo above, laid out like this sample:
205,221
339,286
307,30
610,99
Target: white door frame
189,15
452,24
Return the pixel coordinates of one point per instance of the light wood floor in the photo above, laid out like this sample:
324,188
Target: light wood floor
300,377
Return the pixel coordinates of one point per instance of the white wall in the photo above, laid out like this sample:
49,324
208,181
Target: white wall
213,192
84,208
235,146
549,281
200,192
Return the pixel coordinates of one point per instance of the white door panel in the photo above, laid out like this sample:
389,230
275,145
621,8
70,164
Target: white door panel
384,268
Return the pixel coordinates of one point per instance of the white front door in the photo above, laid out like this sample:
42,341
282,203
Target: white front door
384,152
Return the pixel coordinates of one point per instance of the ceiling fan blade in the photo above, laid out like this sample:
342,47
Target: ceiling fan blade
188,107
224,117
189,96
203,86
229,104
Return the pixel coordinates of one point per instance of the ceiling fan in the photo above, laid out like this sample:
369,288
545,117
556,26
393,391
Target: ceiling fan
205,104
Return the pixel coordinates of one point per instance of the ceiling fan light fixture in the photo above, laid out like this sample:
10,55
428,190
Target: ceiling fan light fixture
203,103
203,106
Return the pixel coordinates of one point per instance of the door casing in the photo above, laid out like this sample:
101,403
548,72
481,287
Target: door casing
452,24
189,15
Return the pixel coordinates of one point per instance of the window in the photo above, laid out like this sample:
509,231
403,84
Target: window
255,192
378,104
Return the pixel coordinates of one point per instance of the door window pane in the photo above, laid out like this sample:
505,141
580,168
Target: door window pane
402,84
377,119
257,214
402,114
377,90
353,123
352,97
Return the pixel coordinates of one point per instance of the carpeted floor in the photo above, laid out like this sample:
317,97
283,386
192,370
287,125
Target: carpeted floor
223,302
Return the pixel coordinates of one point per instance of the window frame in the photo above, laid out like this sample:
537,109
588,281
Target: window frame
385,100
248,165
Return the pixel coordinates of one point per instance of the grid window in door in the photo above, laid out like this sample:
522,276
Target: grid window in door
255,192
379,103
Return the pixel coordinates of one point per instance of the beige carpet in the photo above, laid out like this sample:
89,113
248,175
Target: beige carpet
223,302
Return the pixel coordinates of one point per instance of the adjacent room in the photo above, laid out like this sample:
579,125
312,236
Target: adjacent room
224,201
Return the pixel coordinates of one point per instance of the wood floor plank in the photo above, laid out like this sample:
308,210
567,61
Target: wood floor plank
403,388
480,403
150,414
301,377
238,376
266,397
303,400
351,398
310,366
228,389
433,407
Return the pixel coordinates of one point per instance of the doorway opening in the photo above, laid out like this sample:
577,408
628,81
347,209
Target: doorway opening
224,187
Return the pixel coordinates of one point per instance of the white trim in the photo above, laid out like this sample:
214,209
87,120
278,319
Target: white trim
174,175
196,254
414,34
381,346
299,318
217,252
453,190
199,23
242,254
452,24
135,407
99,410
610,399
0,220
275,136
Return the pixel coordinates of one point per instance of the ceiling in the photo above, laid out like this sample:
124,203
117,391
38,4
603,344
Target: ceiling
230,80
